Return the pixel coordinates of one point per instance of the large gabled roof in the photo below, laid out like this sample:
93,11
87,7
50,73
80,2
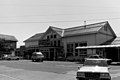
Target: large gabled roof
35,37
79,30
8,37
86,29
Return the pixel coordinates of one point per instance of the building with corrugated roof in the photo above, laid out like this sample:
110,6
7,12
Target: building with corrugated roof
57,42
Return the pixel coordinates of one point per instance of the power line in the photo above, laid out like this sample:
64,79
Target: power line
57,14
58,21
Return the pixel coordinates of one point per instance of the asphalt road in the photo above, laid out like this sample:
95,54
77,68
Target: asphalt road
47,70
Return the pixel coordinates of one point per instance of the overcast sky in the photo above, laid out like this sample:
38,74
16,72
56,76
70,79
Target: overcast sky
24,18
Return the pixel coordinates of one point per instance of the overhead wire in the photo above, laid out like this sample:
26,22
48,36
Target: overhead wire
7,22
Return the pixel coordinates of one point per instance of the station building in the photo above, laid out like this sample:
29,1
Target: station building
57,42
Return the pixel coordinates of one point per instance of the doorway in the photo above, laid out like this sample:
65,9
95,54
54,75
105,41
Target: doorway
52,54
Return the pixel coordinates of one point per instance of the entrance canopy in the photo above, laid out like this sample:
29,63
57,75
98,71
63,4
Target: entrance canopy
99,46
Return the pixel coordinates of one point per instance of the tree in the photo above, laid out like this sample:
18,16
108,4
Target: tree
2,45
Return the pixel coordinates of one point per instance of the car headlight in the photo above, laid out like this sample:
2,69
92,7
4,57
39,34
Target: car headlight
80,74
104,75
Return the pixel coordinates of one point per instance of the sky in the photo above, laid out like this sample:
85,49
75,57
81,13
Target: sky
25,18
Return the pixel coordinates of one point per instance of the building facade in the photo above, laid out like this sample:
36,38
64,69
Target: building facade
57,42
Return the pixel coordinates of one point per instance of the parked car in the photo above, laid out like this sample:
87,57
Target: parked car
60,58
37,56
13,58
94,69
10,57
109,61
75,58
70,58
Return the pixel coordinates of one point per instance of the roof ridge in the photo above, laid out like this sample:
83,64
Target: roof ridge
56,27
84,28
8,37
30,38
86,25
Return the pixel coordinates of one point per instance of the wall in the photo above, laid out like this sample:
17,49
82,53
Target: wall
101,38
31,43
90,39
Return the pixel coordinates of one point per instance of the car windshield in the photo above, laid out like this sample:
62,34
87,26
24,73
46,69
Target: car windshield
97,62
37,55
95,56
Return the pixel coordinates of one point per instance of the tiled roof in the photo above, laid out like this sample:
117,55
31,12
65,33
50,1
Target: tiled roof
8,37
91,28
34,37
79,30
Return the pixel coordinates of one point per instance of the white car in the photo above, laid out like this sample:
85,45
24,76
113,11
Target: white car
37,56
109,61
94,69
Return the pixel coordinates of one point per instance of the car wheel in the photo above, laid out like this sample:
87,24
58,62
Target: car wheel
8,59
109,62
41,60
32,60
17,58
81,79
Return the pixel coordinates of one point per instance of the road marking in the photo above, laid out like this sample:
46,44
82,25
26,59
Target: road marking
10,77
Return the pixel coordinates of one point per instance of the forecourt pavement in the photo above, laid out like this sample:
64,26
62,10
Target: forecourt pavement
48,70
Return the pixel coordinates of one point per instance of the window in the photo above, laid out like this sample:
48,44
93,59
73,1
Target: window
58,42
70,49
54,43
47,37
76,54
76,50
51,43
83,44
55,36
51,36
83,51
76,45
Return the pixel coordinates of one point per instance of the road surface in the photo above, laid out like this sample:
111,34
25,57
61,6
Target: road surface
47,70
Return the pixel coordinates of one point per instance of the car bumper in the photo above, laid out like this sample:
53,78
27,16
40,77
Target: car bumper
83,78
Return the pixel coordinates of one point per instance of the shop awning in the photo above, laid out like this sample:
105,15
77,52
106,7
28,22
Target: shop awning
99,46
